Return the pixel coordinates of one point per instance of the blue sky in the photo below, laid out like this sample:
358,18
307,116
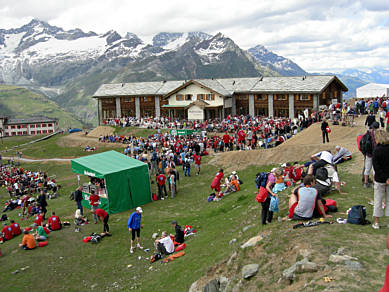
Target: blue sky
318,35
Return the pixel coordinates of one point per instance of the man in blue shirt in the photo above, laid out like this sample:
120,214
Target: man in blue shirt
134,225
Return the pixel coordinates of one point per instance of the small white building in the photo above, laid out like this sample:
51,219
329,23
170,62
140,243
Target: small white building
28,126
373,90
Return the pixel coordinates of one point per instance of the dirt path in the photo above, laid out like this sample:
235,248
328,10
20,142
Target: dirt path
299,148
38,160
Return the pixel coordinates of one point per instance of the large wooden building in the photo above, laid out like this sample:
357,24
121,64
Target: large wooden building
200,99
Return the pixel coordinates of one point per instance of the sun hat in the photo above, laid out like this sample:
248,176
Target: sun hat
139,209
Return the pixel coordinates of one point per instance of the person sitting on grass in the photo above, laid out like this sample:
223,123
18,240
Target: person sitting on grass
341,155
304,200
15,228
6,233
28,241
79,220
179,237
54,222
164,245
40,234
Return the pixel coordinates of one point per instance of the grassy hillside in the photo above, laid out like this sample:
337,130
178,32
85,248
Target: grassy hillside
108,266
20,102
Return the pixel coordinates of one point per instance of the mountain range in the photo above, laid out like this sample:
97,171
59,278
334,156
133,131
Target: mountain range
69,65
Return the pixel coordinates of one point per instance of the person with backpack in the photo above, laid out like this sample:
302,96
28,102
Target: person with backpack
367,145
380,161
187,162
267,215
370,119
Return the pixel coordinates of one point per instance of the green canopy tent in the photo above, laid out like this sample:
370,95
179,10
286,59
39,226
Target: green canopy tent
127,181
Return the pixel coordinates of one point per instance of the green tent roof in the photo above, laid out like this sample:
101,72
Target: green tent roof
106,162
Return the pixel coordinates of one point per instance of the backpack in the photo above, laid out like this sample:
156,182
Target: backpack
71,197
366,144
262,195
321,174
261,179
357,215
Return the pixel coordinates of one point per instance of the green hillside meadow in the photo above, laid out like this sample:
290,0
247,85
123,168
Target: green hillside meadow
20,102
72,265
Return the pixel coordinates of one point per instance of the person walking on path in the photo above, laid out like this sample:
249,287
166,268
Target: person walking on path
134,225
324,131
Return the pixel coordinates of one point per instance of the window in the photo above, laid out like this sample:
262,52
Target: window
260,96
25,133
32,132
305,97
12,127
179,97
44,131
43,125
200,96
38,132
188,96
210,96
49,125
281,96
242,96
32,126
50,131
38,126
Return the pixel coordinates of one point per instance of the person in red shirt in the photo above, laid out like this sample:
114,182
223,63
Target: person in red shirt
54,222
161,180
197,161
216,182
104,217
94,203
226,140
38,219
241,139
7,232
15,228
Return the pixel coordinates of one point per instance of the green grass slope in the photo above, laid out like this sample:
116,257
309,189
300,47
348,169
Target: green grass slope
108,266
20,102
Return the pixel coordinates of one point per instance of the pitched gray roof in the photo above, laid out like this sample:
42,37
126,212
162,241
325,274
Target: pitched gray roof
224,86
30,120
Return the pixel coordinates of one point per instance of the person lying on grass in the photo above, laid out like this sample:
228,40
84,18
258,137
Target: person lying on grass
304,200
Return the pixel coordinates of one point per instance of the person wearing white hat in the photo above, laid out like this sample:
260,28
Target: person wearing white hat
134,225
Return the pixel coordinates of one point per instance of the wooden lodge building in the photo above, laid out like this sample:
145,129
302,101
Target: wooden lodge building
200,99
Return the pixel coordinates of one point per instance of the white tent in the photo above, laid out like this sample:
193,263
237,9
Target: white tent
373,90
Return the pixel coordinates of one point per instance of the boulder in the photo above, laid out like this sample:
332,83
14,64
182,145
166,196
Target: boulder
353,265
232,241
251,242
247,228
336,258
231,258
194,287
249,270
212,286
303,266
223,281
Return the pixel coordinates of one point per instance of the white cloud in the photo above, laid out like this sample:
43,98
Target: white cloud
318,35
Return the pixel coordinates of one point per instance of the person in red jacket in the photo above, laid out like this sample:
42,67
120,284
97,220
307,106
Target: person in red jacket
15,228
104,217
216,182
94,203
54,222
7,232
161,180
38,219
